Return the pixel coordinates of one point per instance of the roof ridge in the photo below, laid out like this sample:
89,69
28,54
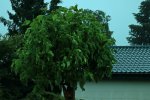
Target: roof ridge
137,46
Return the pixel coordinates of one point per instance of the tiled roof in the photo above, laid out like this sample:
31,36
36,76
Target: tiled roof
132,59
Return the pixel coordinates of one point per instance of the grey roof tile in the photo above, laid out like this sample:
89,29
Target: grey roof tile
132,59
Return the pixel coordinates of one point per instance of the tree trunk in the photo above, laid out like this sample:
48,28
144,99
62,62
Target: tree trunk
69,92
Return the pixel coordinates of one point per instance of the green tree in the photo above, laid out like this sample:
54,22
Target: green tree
54,4
103,19
24,10
140,33
10,85
64,48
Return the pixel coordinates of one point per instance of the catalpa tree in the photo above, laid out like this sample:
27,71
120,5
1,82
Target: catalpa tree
63,49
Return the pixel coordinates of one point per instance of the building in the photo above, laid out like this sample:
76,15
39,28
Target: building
130,79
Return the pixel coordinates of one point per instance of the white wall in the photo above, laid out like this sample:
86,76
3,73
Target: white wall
115,90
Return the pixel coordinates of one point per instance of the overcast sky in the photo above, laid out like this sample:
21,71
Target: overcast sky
119,10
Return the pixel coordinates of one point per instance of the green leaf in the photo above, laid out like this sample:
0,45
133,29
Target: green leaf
68,63
26,23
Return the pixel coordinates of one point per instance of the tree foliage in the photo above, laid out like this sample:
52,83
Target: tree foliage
140,34
23,10
54,4
26,10
10,85
64,48
103,19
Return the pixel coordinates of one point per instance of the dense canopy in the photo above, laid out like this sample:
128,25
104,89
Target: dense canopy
64,48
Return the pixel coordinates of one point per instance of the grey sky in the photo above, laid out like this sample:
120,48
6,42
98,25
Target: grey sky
119,10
